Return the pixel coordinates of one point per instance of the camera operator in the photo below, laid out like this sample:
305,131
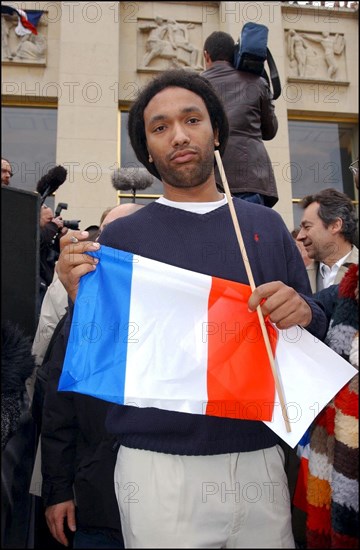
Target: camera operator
51,229
251,112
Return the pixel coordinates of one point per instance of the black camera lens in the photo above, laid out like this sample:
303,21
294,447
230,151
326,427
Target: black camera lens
71,224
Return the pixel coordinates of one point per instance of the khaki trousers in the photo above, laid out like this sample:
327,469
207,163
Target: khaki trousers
238,500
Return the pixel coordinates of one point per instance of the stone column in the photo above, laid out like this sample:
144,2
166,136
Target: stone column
88,121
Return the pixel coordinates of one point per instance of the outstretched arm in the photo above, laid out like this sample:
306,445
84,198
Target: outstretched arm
313,38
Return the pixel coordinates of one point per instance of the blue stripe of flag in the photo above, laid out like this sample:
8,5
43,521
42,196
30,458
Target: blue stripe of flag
34,16
98,332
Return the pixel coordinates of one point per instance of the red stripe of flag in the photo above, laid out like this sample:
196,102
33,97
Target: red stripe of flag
25,23
240,382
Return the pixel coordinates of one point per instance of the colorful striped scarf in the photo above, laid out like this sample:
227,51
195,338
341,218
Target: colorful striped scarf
333,479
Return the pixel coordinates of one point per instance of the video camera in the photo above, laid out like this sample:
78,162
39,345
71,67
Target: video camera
70,224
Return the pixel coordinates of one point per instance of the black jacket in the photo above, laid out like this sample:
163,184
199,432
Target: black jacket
17,364
249,107
18,438
77,454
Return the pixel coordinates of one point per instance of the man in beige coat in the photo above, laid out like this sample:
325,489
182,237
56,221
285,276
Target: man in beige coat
328,232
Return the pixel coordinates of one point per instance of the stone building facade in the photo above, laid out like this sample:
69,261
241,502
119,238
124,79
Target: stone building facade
66,91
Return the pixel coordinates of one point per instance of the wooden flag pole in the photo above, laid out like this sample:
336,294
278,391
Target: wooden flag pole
252,286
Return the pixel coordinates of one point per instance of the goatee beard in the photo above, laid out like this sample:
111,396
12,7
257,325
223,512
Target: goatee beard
193,175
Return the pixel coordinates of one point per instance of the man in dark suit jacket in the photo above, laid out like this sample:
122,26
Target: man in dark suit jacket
248,104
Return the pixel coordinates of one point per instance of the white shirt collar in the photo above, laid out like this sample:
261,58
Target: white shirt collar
328,274
196,207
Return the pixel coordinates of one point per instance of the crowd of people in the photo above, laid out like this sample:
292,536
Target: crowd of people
115,476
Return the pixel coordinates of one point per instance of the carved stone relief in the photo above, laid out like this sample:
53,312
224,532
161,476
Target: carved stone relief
319,56
29,49
166,43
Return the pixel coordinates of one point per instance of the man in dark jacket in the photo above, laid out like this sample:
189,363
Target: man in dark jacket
248,104
17,437
78,456
78,461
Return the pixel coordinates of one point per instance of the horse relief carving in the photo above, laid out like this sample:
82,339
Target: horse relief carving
167,39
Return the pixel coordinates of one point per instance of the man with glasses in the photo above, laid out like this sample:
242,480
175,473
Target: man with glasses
6,172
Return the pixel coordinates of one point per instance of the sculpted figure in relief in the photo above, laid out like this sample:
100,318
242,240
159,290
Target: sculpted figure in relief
297,51
180,36
6,26
168,39
32,47
332,46
157,41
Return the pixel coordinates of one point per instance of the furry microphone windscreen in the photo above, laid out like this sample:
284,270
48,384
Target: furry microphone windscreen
52,180
135,178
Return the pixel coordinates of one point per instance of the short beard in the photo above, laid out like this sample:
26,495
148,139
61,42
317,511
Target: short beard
326,252
192,176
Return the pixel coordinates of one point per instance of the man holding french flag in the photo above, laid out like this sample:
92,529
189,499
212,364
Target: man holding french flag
166,328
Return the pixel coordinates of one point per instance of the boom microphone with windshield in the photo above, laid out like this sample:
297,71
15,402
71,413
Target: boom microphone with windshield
51,181
134,179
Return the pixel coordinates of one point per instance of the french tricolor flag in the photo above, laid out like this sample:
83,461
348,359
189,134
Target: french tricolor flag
149,334
27,19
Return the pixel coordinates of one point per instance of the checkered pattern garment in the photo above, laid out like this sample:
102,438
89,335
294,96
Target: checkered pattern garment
333,474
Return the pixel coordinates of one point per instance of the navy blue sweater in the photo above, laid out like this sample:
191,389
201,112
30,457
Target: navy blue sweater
206,243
